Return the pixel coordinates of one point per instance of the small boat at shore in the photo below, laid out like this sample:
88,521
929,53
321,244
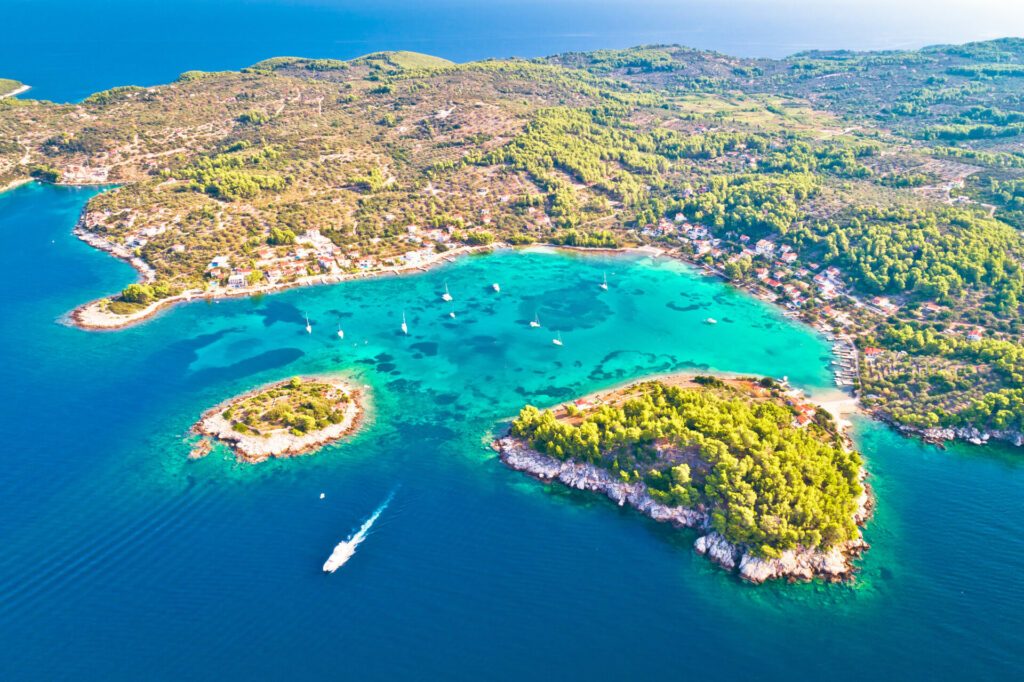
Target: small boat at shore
497,289
309,327
405,327
446,296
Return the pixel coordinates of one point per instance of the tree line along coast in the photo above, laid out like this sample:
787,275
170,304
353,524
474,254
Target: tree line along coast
766,477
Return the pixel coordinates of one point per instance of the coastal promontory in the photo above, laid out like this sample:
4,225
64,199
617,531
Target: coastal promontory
283,419
766,477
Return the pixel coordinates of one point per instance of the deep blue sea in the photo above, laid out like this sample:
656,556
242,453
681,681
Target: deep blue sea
67,49
123,560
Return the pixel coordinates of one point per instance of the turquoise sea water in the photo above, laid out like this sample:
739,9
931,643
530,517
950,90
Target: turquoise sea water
122,559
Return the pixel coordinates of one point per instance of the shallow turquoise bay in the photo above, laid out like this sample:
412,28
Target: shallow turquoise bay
123,560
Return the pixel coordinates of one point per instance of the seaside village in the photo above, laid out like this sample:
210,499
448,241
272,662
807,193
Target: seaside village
314,255
773,272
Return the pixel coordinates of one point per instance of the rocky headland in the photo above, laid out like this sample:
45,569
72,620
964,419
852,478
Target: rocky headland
834,564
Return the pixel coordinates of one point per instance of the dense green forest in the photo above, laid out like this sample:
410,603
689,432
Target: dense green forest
768,485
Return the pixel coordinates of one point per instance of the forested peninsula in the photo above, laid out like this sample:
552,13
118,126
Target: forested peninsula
877,195
767,478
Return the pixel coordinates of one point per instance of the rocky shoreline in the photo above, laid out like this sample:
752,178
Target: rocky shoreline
965,434
256,448
17,91
835,564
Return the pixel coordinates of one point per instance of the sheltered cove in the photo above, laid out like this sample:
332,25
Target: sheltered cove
306,171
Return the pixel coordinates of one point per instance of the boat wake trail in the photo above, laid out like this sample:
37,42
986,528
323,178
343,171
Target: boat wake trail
344,551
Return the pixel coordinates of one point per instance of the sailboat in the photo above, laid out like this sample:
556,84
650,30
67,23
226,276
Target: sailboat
535,322
405,327
451,313
447,297
604,284
711,320
341,334
496,288
557,340
309,327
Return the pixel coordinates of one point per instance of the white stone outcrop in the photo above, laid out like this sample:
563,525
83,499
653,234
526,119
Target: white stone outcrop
718,549
795,564
584,476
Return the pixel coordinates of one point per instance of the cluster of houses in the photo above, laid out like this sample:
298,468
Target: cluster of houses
314,254
778,270
804,414
799,284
